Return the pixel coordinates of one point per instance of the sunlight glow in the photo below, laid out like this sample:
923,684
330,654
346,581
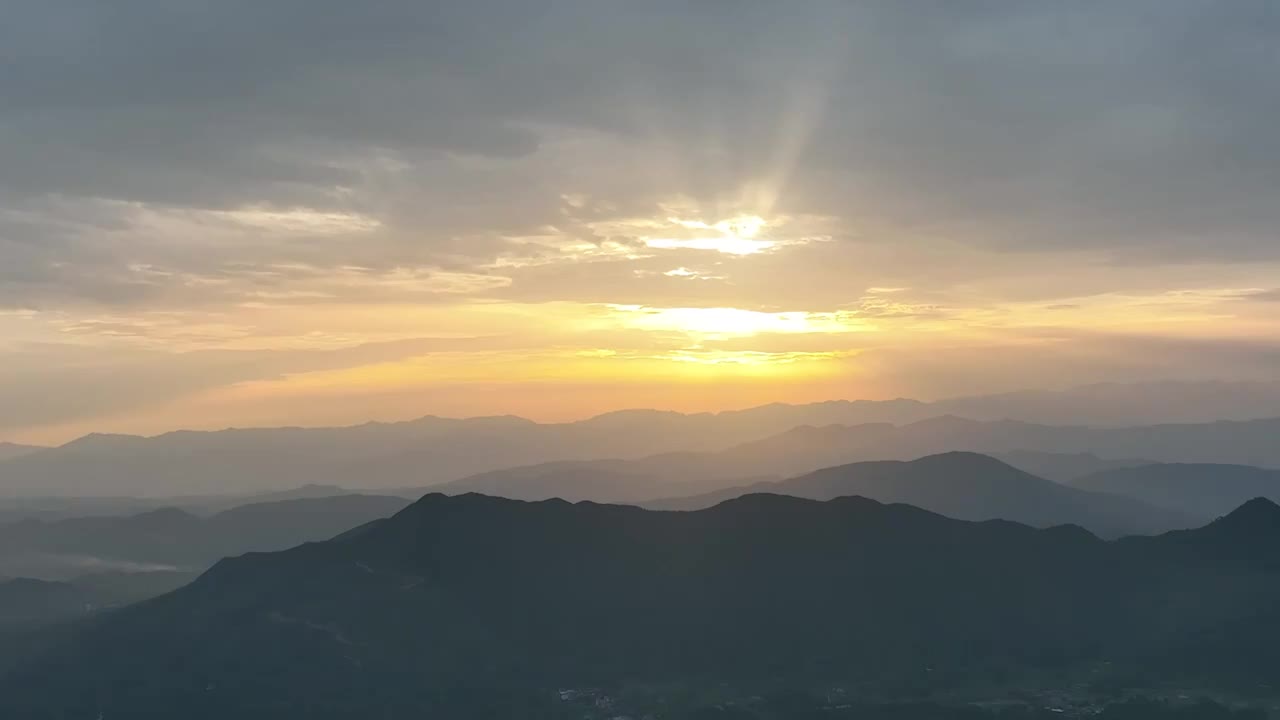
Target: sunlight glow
749,357
727,321
737,236
728,245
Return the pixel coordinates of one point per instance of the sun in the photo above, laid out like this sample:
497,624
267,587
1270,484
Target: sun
736,236
743,226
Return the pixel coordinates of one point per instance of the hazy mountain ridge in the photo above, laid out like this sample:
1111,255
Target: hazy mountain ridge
26,603
1064,467
965,486
10,450
13,509
176,539
507,594
804,449
615,481
1250,442
1118,404
1210,489
435,450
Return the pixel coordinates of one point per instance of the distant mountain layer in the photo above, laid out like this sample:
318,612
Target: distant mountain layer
26,603
460,600
1064,452
1249,443
623,481
9,451
175,539
1117,404
434,450
966,486
50,508
1064,467
1206,489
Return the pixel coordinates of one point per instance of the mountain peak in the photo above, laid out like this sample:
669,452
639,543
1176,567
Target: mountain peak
948,421
164,516
958,459
1242,536
960,456
1258,513
97,441
9,450
762,501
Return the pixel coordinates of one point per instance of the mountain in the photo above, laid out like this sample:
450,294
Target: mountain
580,480
12,450
456,602
26,603
209,505
967,486
433,450
808,448
420,452
237,462
1063,467
13,509
1117,404
173,539
1247,442
1208,489
618,481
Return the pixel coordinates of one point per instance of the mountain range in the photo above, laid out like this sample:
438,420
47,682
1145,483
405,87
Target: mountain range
620,481
15,508
1063,453
173,539
967,486
1248,442
1205,489
26,603
680,474
456,602
9,450
1064,467
432,450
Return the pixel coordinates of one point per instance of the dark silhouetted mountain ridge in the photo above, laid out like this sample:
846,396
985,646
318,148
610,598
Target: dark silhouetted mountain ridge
481,592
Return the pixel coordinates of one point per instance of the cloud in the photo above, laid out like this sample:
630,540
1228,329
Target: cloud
92,382
188,176
1090,123
1073,356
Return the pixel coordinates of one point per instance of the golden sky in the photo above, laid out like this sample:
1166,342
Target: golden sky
556,210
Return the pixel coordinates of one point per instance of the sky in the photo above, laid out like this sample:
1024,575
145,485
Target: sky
305,212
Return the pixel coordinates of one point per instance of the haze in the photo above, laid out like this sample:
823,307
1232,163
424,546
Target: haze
306,213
